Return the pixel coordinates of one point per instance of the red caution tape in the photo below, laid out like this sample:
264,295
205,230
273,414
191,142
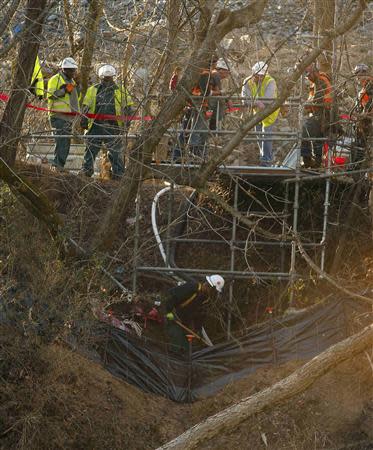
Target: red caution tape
5,98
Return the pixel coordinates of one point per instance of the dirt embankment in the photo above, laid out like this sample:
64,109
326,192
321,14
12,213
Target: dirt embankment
52,398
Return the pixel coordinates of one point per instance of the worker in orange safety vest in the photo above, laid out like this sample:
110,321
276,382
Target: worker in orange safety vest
317,124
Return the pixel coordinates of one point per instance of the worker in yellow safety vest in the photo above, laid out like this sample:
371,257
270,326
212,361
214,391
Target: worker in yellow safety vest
258,89
37,81
63,99
107,100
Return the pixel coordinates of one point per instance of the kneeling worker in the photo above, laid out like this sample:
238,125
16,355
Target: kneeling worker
186,304
105,98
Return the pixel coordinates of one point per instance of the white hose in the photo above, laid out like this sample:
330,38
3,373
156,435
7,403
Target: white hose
154,223
156,232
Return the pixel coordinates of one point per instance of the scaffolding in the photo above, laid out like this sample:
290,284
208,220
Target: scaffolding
288,174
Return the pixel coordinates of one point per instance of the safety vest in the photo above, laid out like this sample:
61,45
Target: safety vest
258,91
366,93
196,90
189,300
121,96
59,104
327,92
37,81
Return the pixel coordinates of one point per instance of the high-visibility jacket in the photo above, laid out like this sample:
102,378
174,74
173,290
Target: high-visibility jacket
203,86
122,100
258,91
59,104
366,95
326,92
37,81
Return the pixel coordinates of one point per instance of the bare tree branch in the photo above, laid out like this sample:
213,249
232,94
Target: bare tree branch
130,39
12,119
69,26
285,89
93,17
328,278
208,35
8,15
20,36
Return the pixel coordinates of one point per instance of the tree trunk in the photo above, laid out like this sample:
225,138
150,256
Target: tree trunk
35,202
167,62
93,17
130,38
12,120
207,38
8,15
69,26
324,11
285,89
230,418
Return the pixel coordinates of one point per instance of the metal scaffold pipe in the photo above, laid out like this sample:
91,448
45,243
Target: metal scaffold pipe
225,273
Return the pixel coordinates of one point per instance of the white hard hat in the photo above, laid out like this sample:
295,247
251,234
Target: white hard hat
221,64
259,68
361,68
216,281
69,63
107,70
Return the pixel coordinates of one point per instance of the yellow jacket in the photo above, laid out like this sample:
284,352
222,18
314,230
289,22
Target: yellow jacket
60,104
37,80
260,93
122,100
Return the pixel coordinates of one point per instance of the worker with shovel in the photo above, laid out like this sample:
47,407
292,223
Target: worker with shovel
186,310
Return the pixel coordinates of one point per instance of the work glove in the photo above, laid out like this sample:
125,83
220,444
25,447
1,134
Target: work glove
170,316
68,87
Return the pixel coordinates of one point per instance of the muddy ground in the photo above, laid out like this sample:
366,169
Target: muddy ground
53,398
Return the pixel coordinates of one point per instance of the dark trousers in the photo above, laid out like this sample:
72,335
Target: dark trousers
217,107
62,147
312,128
183,136
177,335
364,129
194,121
114,147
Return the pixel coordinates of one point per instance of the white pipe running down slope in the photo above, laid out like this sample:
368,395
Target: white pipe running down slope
154,223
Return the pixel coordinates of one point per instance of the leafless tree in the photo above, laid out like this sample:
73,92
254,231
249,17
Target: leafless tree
94,13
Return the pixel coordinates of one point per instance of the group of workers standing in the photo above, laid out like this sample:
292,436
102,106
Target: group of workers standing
106,109
258,91
321,121
104,112
204,96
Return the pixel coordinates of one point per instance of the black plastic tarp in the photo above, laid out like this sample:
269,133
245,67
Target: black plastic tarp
186,378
